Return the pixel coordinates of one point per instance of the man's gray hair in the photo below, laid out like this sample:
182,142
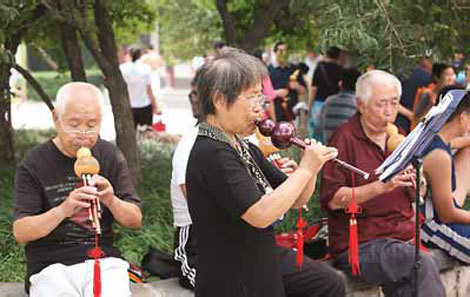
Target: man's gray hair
231,72
363,84
64,92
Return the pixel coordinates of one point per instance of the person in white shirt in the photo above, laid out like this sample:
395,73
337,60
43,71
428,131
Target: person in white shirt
184,249
138,79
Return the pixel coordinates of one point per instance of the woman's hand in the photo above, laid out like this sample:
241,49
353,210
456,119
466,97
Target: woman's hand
315,155
287,165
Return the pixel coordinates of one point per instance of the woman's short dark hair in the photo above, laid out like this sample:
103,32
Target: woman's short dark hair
230,73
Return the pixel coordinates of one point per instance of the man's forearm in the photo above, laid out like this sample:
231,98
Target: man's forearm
342,197
126,213
35,227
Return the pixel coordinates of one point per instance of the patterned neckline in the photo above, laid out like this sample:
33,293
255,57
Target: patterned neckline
244,153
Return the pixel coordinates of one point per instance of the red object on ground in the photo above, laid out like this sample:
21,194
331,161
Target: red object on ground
159,127
289,240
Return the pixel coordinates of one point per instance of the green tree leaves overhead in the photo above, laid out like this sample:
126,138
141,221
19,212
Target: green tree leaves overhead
386,33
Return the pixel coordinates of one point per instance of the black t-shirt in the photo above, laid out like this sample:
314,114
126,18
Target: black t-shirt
280,78
234,258
326,78
43,180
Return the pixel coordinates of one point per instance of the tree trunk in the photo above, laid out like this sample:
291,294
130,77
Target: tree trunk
123,121
70,44
7,152
72,52
13,38
263,21
124,124
7,145
228,23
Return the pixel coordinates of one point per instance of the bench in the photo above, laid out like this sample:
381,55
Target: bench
456,279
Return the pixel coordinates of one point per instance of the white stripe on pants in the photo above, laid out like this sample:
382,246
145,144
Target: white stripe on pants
180,255
77,280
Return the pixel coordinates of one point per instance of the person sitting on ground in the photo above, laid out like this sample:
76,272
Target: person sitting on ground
386,222
51,213
447,224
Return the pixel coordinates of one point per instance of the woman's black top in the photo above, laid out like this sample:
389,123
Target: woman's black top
234,258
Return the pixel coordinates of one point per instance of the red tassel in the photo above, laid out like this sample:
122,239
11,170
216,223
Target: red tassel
301,224
97,279
353,237
353,246
421,246
96,253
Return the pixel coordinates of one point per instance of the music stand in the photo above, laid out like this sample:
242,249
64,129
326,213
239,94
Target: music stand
411,151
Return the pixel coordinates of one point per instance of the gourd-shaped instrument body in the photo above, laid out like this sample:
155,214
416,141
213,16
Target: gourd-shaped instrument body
85,167
394,138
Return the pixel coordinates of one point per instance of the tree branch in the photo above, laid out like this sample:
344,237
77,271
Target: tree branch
36,86
388,18
105,32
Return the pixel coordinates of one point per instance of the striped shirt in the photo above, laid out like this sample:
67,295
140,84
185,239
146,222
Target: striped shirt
337,110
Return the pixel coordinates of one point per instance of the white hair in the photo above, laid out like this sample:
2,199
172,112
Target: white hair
64,92
363,84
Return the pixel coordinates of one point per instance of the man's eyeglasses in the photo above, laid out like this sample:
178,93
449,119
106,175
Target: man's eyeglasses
76,132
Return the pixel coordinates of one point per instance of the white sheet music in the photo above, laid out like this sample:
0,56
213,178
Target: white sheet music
422,133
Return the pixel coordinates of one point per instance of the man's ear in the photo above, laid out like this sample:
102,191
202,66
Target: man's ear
55,116
360,104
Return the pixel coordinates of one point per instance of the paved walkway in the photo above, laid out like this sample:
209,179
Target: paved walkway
176,110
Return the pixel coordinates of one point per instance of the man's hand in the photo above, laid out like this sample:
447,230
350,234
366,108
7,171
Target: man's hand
77,199
294,85
156,109
406,178
105,190
281,92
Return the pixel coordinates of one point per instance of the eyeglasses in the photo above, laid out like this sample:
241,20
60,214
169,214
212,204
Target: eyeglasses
258,99
76,132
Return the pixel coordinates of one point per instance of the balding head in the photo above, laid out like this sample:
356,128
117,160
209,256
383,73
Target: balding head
77,117
77,92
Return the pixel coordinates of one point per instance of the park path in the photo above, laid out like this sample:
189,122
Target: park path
176,110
